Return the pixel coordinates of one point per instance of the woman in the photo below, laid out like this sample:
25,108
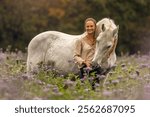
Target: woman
85,47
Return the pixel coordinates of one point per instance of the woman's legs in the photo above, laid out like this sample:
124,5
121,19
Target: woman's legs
81,73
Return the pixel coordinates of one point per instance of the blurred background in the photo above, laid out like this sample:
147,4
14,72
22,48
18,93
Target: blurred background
21,20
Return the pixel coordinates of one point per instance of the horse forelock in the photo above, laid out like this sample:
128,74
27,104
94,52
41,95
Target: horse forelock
109,24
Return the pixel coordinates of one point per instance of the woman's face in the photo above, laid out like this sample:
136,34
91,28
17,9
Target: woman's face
90,27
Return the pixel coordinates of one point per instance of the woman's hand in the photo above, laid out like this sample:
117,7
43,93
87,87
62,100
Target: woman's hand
87,63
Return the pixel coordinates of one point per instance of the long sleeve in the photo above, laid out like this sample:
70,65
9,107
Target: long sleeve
78,52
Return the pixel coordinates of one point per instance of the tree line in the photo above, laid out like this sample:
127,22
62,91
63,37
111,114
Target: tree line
21,20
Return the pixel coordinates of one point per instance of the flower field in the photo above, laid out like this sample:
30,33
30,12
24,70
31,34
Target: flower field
130,79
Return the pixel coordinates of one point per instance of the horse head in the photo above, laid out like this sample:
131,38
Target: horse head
105,42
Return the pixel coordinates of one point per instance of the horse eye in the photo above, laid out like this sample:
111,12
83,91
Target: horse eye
108,46
105,48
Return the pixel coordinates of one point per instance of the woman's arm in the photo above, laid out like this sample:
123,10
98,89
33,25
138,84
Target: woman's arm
78,52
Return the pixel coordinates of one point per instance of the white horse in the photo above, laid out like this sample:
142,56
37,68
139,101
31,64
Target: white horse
106,43
58,47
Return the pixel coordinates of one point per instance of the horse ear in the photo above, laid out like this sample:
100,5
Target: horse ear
98,31
118,27
115,31
103,27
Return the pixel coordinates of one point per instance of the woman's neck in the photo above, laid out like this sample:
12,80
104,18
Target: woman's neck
90,36
90,39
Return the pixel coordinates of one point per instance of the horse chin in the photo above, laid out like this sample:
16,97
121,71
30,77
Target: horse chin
96,62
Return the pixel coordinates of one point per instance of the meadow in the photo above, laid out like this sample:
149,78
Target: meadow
130,79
